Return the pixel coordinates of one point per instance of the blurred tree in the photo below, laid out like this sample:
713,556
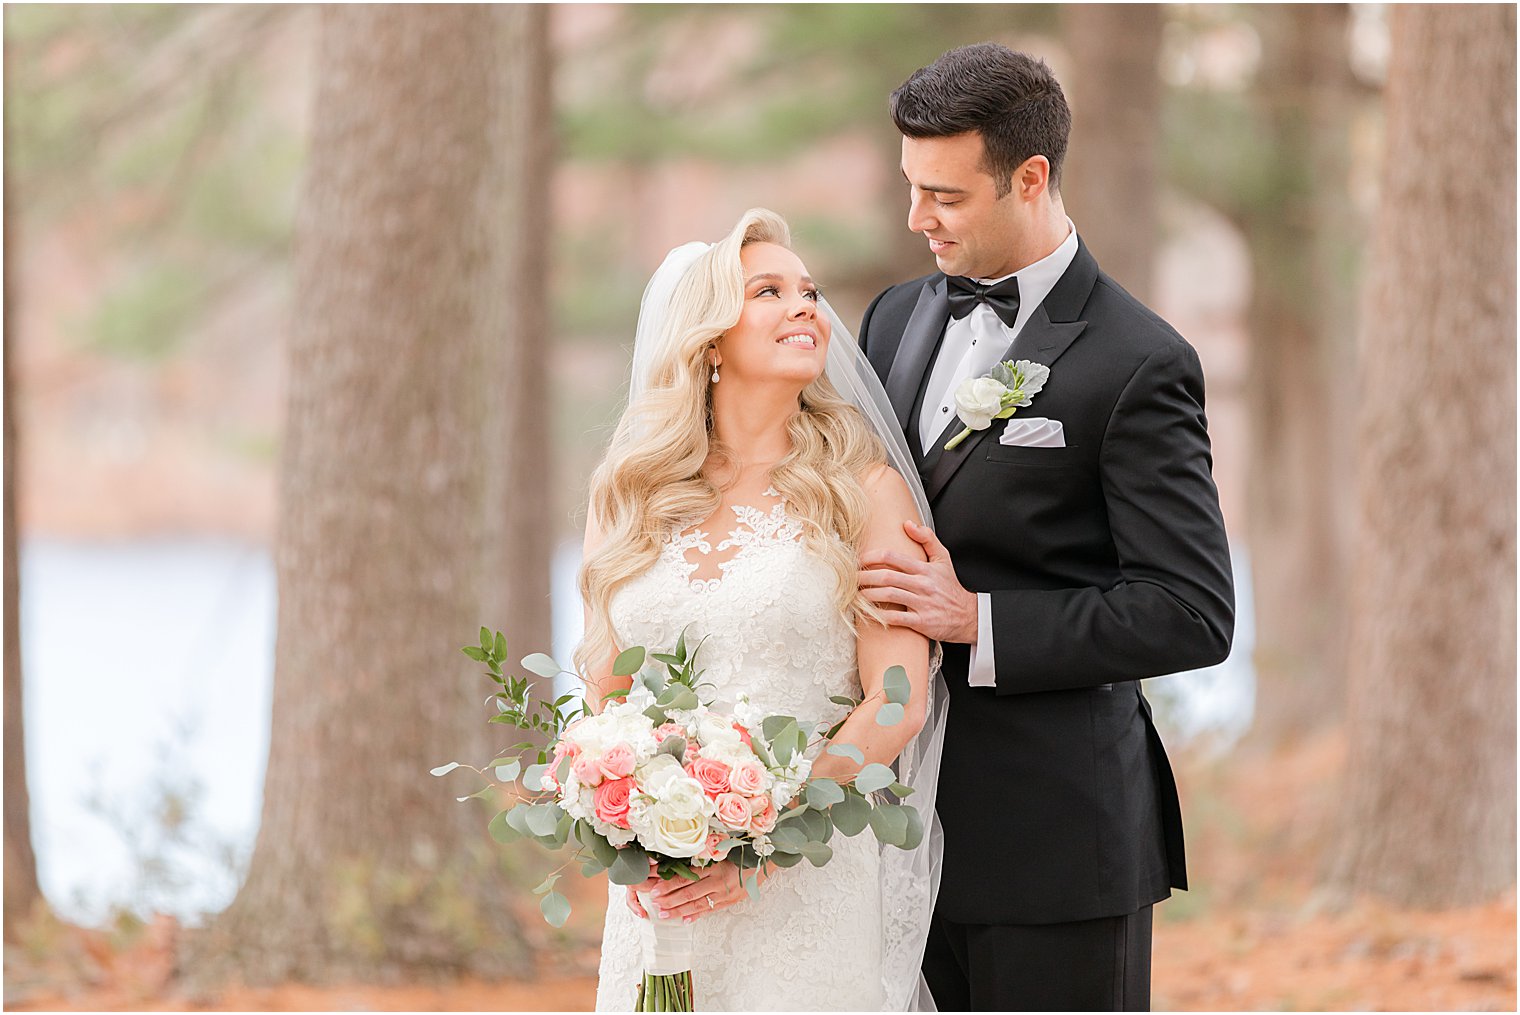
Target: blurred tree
1274,158
1430,800
21,892
1111,176
759,84
394,475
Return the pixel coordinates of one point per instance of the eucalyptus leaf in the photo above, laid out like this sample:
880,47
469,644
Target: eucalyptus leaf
444,769
655,714
547,885
542,819
517,819
785,859
822,792
605,852
772,725
501,831
631,866
752,886
788,838
817,853
628,662
851,815
840,699
848,751
890,824
895,683
915,830
889,714
673,746
556,909
483,791
899,790
873,777
533,778
541,664
509,771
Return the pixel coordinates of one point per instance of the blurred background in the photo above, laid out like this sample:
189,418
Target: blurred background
317,320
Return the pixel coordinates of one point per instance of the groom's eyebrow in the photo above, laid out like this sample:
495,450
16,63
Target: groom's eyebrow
932,187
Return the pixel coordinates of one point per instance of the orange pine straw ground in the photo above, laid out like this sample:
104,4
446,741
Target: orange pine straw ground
1255,934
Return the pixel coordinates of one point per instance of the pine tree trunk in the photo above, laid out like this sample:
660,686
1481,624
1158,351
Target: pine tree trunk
1112,170
1430,801
21,891
1303,235
408,362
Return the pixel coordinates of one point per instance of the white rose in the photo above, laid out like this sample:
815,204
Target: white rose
677,836
657,771
978,400
715,731
682,798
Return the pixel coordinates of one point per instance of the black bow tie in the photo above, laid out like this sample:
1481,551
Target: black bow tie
966,293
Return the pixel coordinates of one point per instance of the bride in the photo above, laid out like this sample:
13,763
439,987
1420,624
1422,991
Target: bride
753,465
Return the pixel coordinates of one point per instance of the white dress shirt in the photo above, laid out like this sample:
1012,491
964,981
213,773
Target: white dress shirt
972,346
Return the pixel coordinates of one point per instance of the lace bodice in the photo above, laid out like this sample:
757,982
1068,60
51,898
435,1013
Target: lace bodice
766,606
768,611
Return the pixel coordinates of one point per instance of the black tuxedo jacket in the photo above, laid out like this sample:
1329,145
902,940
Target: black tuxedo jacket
1107,562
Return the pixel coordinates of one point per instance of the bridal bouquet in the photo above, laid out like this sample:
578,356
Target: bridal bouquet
658,776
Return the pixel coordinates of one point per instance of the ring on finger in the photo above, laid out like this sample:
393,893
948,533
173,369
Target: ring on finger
710,903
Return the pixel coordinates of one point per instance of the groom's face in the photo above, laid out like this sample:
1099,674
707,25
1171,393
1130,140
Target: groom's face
953,203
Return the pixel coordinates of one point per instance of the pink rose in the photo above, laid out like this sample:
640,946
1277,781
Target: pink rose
611,801
748,778
587,771
744,735
711,773
733,811
617,761
670,729
764,809
711,852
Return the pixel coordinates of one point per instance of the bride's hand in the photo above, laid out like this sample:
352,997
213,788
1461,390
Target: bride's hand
649,885
717,887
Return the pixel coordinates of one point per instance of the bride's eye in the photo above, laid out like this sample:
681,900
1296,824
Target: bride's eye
767,289
811,294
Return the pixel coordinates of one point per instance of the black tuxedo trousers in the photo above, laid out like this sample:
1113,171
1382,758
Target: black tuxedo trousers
1107,562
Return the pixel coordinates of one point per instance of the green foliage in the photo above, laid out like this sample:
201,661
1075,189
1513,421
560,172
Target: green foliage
148,315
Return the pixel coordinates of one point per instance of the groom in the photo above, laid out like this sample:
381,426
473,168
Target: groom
1080,548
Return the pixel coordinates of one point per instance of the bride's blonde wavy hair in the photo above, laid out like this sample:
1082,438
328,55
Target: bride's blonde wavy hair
651,482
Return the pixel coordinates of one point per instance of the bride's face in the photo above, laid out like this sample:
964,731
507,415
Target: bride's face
780,335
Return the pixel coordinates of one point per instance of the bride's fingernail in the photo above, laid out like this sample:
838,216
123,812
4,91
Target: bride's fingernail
664,914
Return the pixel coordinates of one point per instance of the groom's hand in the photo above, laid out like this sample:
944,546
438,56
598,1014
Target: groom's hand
933,601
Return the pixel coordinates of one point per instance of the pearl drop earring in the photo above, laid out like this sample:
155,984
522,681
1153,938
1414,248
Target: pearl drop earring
715,373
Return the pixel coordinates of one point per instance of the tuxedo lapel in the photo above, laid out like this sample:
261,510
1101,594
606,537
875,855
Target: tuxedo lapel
920,337
1051,330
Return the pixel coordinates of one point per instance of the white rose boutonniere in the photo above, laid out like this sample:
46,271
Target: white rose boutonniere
998,394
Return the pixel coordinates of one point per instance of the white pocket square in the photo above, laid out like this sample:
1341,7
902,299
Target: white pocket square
1032,432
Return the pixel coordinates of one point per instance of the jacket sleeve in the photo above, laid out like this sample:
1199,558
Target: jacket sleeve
1173,607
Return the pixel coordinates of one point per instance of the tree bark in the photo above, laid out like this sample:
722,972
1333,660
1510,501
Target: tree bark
413,375
1303,235
1112,169
1430,795
22,894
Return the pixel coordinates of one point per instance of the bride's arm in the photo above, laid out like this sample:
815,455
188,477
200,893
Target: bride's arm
879,646
598,679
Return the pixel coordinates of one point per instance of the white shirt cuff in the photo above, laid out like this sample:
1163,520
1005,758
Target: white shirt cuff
983,669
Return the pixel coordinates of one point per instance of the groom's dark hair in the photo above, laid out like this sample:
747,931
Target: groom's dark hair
1012,100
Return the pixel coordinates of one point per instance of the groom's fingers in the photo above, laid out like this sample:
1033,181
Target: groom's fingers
878,577
890,594
894,560
925,537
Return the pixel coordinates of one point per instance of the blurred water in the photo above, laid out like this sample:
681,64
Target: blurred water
148,669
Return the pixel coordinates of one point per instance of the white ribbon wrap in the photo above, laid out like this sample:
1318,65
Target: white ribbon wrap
669,945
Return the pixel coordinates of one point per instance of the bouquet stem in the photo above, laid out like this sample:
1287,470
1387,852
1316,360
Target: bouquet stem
667,993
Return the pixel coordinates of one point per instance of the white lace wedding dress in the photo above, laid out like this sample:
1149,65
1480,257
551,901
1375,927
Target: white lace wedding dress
812,941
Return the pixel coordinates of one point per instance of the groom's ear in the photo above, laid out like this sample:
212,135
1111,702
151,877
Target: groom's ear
1032,178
